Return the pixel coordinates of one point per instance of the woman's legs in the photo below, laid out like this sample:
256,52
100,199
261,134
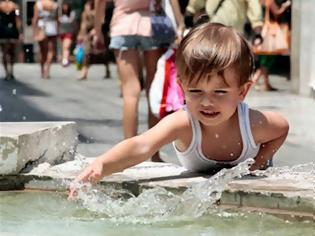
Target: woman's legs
51,43
150,62
4,59
11,55
128,63
66,44
262,71
85,67
43,55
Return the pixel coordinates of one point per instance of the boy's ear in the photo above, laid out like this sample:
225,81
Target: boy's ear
244,89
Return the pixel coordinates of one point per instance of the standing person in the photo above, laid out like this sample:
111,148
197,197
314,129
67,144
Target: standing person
265,62
216,129
232,13
10,32
45,18
85,36
130,32
67,27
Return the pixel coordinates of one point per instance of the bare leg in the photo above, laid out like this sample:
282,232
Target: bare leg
43,56
150,62
257,75
107,71
50,56
128,68
267,85
4,59
85,68
11,54
66,44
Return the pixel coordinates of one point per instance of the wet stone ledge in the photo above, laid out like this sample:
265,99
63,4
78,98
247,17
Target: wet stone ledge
284,196
24,145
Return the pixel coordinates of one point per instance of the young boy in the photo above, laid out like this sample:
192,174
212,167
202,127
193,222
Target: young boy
215,129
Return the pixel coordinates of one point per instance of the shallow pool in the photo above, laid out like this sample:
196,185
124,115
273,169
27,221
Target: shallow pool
50,214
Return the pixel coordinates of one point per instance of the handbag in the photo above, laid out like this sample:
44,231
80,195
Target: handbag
79,55
165,95
275,37
162,27
39,34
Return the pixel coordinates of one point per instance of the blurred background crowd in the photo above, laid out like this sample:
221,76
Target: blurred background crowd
69,29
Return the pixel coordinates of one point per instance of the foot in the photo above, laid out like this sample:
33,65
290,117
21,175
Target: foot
270,88
46,76
107,76
11,76
81,78
65,62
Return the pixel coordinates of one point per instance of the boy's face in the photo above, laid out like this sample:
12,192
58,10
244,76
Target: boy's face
213,101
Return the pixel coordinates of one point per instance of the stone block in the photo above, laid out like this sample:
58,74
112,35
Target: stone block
24,145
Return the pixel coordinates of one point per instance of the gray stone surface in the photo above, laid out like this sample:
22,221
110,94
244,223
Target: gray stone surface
23,145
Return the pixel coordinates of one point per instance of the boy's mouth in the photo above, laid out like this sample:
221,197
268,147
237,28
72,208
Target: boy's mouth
210,114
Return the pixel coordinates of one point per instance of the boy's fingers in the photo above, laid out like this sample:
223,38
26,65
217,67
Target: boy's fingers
85,175
72,193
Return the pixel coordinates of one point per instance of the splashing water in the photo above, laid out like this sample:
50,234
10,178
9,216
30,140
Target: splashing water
302,174
158,204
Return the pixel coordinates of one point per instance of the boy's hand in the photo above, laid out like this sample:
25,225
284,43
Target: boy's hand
93,174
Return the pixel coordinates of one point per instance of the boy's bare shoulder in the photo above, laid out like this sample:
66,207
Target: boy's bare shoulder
267,125
179,119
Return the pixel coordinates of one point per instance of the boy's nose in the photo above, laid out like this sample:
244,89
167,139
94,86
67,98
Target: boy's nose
207,100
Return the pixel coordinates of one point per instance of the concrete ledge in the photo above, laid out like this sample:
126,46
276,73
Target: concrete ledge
278,196
23,145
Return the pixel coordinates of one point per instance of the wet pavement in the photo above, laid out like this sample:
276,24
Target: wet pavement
96,106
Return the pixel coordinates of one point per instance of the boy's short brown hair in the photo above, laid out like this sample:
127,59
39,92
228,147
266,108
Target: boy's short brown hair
213,47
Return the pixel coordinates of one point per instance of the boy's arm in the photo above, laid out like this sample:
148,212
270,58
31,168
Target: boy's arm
134,150
270,129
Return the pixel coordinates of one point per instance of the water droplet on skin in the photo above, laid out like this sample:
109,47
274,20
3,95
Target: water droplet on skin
239,144
231,154
216,136
14,91
264,145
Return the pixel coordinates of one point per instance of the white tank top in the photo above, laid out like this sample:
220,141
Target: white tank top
193,158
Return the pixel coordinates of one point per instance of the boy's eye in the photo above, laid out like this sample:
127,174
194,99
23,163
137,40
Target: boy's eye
220,91
195,91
